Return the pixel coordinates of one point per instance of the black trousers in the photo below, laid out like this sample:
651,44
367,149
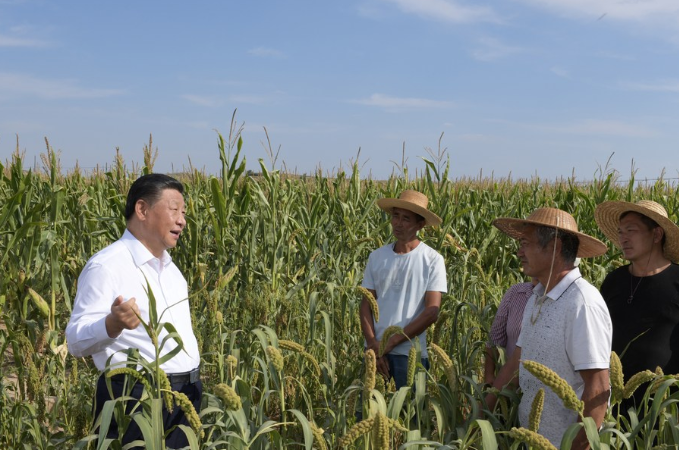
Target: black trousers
176,439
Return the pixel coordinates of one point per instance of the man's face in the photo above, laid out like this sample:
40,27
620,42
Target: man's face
535,260
405,224
164,221
636,238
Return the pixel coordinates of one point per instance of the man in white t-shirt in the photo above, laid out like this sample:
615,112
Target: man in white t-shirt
407,278
566,325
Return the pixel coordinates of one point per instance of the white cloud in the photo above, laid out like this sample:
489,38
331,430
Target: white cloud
661,86
632,10
202,100
401,103
12,41
13,84
446,11
264,52
491,49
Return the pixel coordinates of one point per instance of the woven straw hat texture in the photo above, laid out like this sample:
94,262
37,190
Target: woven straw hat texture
555,218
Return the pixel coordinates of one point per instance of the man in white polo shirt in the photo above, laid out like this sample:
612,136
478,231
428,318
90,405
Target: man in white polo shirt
407,277
111,297
566,325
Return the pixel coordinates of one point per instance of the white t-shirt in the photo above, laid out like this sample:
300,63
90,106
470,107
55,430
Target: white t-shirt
123,268
400,281
572,332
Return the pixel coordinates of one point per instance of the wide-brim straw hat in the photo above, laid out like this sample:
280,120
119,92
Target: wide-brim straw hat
607,216
412,201
554,218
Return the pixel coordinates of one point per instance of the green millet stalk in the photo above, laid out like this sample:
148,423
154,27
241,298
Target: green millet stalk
132,373
351,399
230,398
190,412
447,364
557,384
356,431
617,379
380,432
291,345
380,385
395,424
635,381
412,365
298,348
275,357
371,301
370,372
166,388
536,411
533,439
310,358
231,364
438,327
319,440
388,332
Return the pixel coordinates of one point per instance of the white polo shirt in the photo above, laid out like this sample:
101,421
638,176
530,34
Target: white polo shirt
123,268
569,334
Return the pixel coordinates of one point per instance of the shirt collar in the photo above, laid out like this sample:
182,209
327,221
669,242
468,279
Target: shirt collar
140,254
561,286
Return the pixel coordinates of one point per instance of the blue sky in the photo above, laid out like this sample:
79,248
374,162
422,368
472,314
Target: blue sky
515,87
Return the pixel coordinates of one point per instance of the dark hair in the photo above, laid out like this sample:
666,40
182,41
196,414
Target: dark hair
650,223
569,242
149,188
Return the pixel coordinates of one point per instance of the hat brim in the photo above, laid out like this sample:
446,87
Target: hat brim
607,216
587,248
387,204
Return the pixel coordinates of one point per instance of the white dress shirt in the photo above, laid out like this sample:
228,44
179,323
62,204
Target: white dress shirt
123,268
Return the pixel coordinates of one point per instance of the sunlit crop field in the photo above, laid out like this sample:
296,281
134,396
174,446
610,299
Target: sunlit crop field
274,262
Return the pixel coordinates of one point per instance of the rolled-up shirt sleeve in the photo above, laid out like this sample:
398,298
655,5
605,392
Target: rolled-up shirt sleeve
86,330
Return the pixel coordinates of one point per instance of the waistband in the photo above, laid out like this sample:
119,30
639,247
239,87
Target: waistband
190,377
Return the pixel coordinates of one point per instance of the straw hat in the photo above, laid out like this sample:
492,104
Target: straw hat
412,201
607,215
555,218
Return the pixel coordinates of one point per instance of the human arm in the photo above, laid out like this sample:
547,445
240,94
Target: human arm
508,376
417,326
490,356
497,337
595,396
99,313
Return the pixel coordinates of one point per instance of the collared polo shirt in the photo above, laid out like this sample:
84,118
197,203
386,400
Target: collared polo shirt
570,332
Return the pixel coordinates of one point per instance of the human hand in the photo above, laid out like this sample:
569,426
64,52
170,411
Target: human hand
383,367
124,316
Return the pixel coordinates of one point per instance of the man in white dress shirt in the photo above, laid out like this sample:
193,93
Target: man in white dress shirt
111,296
